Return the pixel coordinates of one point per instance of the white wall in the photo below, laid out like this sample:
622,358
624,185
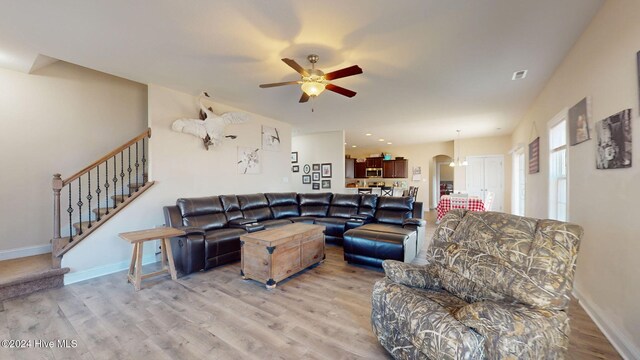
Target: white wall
319,148
181,167
56,120
602,64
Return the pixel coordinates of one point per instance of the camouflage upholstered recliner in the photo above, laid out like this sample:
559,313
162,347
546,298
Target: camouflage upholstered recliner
496,287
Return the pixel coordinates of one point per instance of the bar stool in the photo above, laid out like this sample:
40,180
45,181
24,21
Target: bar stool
387,191
364,191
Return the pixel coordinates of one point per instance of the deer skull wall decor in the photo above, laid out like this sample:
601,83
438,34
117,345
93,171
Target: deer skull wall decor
210,127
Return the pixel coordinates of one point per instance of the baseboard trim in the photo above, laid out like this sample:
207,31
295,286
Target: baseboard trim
620,342
24,251
74,277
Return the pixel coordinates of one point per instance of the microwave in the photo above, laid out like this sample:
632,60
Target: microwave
374,172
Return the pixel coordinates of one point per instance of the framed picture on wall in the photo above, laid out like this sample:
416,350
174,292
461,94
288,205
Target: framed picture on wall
316,186
315,176
306,169
326,184
316,167
579,122
306,179
294,157
534,156
613,141
326,170
295,168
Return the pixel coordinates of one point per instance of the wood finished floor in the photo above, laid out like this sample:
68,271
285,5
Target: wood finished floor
321,313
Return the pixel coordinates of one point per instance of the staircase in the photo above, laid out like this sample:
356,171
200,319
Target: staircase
81,204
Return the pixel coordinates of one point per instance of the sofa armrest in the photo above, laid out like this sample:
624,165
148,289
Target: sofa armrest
420,276
414,222
362,217
190,230
500,321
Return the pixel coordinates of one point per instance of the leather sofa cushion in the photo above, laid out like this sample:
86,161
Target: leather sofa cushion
269,224
374,244
314,204
303,219
260,214
199,206
394,210
231,207
206,222
222,241
283,205
368,204
276,199
333,226
343,205
252,201
314,210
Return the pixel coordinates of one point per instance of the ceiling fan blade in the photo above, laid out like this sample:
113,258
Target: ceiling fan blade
295,66
340,90
279,84
351,70
304,98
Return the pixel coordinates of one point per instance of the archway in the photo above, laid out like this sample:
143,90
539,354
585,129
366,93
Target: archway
442,179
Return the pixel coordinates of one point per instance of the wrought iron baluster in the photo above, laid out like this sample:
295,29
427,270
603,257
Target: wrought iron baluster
79,203
115,182
144,162
106,186
122,176
98,191
70,211
89,197
129,171
137,166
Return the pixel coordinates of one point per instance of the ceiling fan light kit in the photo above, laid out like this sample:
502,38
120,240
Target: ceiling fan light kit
314,81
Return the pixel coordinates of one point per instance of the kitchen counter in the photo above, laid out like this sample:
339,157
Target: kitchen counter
397,191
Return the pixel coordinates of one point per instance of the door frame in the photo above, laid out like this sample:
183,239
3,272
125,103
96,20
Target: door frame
515,186
436,185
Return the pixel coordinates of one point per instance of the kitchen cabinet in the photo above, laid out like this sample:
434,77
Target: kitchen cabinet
349,168
360,170
375,162
395,169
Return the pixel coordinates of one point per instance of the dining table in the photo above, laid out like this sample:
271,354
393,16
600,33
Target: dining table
444,205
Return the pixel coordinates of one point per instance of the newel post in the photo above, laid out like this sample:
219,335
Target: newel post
56,184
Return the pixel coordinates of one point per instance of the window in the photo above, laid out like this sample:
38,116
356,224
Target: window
518,186
558,168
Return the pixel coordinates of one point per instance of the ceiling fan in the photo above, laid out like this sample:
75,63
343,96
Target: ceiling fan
313,81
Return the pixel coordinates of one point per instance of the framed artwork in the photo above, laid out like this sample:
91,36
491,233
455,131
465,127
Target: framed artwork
316,167
294,157
306,168
534,156
248,160
613,141
295,168
579,122
326,170
306,179
315,176
638,64
270,138
316,186
326,184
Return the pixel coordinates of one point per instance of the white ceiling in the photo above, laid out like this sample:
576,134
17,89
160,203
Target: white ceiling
430,66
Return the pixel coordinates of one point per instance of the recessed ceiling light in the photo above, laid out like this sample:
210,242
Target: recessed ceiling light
518,75
389,143
380,139
353,146
367,134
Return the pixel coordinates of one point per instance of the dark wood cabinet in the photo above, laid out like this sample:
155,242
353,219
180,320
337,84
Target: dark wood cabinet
375,162
395,169
360,170
349,168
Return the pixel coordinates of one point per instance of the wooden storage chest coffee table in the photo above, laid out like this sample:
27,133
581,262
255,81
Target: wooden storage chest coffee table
273,255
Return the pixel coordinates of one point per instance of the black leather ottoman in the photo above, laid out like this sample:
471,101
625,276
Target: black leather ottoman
371,244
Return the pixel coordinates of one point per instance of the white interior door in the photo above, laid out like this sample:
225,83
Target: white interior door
475,176
494,180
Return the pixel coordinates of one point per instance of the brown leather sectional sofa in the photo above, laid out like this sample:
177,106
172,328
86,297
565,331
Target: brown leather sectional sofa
214,224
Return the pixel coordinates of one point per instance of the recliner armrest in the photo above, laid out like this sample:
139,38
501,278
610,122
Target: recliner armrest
414,222
420,276
361,217
190,230
248,225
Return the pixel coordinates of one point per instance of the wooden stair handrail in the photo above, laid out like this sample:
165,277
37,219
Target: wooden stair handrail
145,134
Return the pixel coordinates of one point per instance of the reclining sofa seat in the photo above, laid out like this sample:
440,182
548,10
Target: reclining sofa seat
496,286
256,207
341,210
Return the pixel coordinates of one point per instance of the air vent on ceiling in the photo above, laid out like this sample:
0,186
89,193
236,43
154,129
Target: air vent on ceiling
519,75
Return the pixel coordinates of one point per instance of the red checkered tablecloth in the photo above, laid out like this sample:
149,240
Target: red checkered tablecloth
444,205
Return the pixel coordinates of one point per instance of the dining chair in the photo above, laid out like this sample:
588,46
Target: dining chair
387,191
459,201
413,191
488,201
364,191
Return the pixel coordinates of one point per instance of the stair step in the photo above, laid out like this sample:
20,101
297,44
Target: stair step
29,274
119,198
85,226
135,185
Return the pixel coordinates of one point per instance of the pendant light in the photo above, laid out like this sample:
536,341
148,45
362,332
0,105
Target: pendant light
457,161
